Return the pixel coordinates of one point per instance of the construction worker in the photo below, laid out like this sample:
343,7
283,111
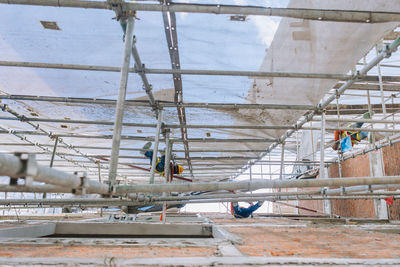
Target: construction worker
241,212
175,168
344,138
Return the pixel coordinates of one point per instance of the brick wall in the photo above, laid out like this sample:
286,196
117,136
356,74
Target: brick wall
360,167
354,167
391,162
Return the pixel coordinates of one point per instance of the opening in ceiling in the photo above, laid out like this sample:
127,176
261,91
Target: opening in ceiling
50,25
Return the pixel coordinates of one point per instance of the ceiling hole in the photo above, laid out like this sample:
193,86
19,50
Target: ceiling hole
50,25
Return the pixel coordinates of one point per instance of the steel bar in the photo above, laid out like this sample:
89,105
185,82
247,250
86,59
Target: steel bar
110,202
359,16
14,167
140,103
322,147
384,54
176,71
138,149
151,125
35,188
264,127
155,150
383,130
342,120
360,188
167,171
125,124
142,138
282,163
52,160
255,185
54,152
368,86
119,112
168,152
139,68
339,151
378,66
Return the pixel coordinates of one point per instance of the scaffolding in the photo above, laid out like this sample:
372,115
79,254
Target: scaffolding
236,149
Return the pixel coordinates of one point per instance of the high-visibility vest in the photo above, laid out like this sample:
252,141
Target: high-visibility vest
354,136
155,169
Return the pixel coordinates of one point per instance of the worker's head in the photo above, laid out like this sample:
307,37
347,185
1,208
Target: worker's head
180,169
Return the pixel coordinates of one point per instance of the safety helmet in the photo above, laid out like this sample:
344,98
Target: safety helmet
180,169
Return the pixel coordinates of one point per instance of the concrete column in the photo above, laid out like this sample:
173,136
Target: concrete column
376,170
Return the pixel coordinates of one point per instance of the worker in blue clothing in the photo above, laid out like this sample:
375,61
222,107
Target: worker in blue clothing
241,212
160,164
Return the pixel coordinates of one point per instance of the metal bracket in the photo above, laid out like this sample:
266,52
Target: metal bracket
387,51
29,168
84,183
343,190
358,76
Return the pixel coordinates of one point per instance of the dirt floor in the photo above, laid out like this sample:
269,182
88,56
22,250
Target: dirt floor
258,236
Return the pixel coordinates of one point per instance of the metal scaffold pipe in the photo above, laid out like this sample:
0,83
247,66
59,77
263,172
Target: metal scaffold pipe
35,189
359,16
139,103
255,185
155,151
213,126
38,203
119,113
14,166
142,71
359,120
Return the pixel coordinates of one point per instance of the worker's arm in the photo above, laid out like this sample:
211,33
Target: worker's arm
335,145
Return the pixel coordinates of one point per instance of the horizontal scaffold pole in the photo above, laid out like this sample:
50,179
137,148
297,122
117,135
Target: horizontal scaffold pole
255,185
41,203
361,16
253,74
138,103
143,71
213,126
144,138
14,166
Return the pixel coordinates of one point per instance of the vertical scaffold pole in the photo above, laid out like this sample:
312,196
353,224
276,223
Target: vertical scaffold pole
166,171
281,171
322,174
339,150
155,149
322,147
52,160
378,66
282,161
119,113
